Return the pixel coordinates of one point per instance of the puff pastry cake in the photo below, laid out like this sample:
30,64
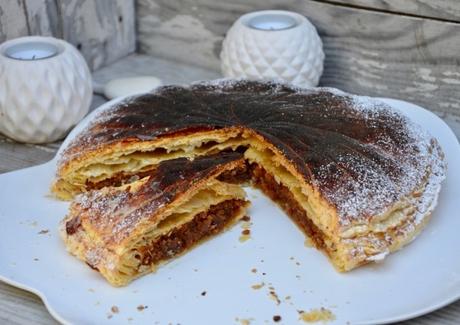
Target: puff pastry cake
127,231
357,177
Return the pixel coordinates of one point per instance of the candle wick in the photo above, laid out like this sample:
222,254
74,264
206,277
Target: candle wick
33,57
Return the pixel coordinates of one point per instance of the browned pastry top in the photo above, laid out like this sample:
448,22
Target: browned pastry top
360,154
114,212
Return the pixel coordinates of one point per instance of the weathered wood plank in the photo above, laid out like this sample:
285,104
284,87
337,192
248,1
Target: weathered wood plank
43,17
102,30
367,52
444,10
13,21
15,156
403,57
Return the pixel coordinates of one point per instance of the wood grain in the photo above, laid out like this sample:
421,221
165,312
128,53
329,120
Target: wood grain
367,52
103,30
13,22
442,10
43,18
15,156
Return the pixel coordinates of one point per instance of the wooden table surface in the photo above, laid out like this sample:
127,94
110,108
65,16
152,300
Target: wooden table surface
21,307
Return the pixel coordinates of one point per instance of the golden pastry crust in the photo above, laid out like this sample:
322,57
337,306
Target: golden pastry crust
365,176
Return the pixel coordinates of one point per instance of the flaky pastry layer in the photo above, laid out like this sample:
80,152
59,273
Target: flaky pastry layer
127,231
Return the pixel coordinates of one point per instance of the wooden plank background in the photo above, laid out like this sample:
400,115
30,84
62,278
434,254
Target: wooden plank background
103,30
368,51
447,10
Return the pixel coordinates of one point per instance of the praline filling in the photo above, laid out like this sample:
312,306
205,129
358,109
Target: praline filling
117,179
179,240
282,195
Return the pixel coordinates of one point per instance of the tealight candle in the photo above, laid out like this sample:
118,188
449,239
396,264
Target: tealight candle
45,88
31,51
273,45
272,22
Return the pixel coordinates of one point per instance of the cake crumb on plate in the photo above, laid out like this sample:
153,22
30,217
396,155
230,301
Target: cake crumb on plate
258,286
316,315
277,318
141,307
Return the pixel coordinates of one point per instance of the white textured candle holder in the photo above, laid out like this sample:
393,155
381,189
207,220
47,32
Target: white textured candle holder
273,45
45,88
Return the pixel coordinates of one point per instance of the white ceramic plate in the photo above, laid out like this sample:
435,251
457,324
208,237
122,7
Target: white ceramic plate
422,277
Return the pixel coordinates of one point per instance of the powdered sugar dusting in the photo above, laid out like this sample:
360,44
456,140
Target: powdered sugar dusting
375,185
114,212
378,257
225,84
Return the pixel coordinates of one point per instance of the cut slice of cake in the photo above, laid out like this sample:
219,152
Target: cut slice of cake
127,231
